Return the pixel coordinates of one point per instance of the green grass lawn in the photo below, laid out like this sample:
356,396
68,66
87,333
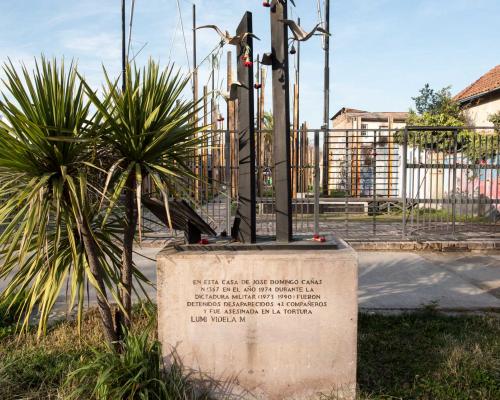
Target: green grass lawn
429,356
414,356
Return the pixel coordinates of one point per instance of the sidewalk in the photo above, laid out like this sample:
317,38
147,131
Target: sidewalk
400,280
408,280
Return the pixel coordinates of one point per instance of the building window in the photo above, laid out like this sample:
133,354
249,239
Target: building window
364,127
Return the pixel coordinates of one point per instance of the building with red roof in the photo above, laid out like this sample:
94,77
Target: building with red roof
481,98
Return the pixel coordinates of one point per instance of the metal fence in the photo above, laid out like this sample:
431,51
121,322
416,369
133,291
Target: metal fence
390,184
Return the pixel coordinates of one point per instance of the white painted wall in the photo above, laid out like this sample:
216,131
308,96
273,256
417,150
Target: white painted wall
479,114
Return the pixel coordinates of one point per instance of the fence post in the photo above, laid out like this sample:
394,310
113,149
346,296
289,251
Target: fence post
374,178
316,182
403,178
347,189
454,188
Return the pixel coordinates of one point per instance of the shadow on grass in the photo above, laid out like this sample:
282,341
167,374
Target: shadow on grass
428,356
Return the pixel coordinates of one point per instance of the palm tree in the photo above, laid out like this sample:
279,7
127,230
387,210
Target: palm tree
52,226
63,170
146,132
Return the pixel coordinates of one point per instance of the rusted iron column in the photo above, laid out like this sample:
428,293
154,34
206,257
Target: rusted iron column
281,114
246,131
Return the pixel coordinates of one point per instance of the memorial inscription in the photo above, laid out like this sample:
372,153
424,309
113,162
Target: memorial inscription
268,324
230,301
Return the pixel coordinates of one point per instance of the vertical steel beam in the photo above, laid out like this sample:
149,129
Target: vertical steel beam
262,156
326,101
246,133
281,114
316,182
258,139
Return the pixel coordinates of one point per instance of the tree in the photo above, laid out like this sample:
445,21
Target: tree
435,108
432,102
147,131
63,170
52,224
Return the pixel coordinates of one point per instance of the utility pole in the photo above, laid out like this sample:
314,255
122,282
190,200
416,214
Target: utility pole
326,92
124,54
195,70
197,150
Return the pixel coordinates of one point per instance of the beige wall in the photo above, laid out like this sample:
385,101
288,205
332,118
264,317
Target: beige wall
478,114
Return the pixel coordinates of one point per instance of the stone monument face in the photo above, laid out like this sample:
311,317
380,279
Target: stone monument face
269,323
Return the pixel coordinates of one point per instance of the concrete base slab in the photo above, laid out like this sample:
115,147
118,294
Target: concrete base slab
262,323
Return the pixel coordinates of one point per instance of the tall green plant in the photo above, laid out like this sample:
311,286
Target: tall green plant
53,233
135,373
146,131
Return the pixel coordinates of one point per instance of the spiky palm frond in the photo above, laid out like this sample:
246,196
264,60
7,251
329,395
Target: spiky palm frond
149,129
46,143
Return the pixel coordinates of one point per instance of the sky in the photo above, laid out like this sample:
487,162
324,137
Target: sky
382,51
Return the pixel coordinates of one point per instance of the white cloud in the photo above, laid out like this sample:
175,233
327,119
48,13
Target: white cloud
102,45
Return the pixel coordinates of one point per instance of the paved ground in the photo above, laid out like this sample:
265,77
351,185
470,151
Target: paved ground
406,280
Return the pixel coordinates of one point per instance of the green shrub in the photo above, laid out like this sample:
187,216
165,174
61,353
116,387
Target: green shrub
137,372
134,373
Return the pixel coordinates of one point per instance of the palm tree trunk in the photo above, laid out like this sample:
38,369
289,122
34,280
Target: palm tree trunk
128,244
96,269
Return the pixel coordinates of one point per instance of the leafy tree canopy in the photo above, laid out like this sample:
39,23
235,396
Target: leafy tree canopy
437,108
434,108
431,101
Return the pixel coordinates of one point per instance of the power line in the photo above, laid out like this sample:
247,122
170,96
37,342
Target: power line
184,35
174,35
130,28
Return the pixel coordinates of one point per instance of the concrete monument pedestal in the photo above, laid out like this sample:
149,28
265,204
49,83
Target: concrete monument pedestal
275,321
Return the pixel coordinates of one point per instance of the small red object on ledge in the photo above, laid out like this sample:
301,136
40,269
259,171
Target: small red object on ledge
318,238
203,241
